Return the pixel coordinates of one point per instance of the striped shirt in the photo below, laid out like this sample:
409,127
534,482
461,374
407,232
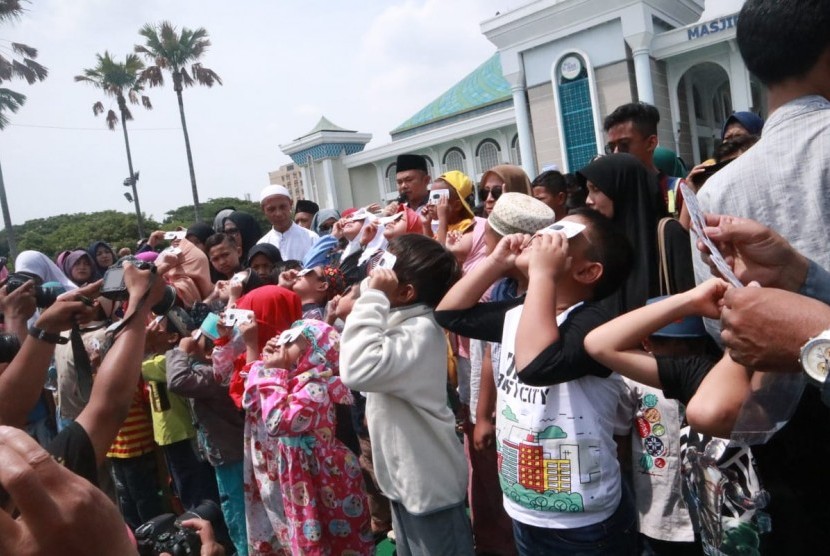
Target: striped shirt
135,438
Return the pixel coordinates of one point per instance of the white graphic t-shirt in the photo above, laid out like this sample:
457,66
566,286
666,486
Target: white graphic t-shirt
556,452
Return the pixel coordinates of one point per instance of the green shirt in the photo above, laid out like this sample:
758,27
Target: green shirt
172,421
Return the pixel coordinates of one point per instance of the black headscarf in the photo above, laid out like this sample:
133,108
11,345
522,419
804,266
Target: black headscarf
270,251
248,228
635,193
200,230
98,271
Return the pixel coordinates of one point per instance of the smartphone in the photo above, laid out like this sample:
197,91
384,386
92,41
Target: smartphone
436,196
175,235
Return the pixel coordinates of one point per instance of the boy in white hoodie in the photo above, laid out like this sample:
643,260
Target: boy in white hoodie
393,350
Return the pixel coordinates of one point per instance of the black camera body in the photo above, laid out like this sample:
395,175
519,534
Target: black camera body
44,297
165,533
114,287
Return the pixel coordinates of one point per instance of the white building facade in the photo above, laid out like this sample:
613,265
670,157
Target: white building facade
561,67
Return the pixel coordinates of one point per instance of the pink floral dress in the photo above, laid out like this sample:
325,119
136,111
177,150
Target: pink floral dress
290,440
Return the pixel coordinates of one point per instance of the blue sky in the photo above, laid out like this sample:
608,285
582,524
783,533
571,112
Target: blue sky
365,65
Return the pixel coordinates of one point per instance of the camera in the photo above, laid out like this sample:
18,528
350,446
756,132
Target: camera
45,296
165,533
114,288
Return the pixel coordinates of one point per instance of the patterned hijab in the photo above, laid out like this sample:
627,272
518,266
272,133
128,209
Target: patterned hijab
323,353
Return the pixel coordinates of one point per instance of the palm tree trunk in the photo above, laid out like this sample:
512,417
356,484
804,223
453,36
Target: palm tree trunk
7,219
139,219
178,88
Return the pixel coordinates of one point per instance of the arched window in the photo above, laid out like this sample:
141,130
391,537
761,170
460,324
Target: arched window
391,182
576,110
487,155
515,153
430,167
454,160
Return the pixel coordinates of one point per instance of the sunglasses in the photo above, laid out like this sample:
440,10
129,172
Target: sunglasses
495,191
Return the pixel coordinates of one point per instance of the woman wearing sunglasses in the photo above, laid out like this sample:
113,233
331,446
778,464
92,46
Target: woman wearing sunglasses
504,178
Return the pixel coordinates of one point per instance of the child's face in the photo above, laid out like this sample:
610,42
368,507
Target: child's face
577,246
310,283
344,306
352,228
286,356
396,228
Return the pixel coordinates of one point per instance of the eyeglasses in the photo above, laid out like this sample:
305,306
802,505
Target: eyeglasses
324,227
495,191
621,146
232,231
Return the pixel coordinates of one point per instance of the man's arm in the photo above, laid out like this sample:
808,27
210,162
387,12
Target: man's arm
119,372
22,381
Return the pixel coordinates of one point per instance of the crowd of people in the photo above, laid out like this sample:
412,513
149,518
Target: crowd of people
631,359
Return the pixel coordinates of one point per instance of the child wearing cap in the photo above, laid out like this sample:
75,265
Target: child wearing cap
555,405
393,350
734,521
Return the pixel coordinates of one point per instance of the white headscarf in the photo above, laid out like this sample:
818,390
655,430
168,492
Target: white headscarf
35,262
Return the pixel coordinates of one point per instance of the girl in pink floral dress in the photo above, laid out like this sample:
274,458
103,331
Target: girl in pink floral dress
291,393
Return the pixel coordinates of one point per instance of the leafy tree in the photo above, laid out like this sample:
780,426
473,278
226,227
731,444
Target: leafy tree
69,231
167,49
10,101
117,80
183,216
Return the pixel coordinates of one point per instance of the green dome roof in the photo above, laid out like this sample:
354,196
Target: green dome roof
485,86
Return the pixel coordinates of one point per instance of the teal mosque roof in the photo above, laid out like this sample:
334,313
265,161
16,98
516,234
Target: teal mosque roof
483,87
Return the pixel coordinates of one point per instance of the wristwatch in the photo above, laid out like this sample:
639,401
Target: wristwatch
815,358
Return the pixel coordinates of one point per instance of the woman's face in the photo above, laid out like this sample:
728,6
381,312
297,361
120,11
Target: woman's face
599,201
81,271
326,225
103,257
491,190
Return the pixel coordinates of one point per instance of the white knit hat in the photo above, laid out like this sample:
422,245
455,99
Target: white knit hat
517,213
272,190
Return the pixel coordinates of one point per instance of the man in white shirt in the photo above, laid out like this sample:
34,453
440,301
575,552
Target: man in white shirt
292,240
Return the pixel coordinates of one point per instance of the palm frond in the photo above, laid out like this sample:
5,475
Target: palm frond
153,76
205,76
97,108
187,81
10,101
131,94
112,119
145,101
39,70
24,72
10,9
24,49
126,114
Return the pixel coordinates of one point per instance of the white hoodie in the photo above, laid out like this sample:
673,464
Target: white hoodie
399,358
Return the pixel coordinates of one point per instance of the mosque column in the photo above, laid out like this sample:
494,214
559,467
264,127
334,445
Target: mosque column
640,44
739,86
522,111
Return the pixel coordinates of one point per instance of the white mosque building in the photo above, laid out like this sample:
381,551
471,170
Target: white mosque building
560,67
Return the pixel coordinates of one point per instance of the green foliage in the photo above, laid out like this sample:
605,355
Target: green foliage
69,231
183,216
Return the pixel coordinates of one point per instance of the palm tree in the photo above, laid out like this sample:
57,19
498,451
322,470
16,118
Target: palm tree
10,101
170,50
117,80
